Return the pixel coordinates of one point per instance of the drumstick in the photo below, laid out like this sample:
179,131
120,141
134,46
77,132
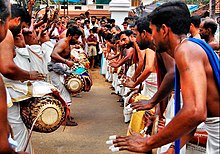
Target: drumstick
32,127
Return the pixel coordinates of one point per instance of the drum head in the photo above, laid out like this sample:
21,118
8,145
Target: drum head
74,83
49,112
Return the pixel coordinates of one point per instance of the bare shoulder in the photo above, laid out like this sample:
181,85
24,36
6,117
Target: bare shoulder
214,44
150,52
9,40
188,55
61,43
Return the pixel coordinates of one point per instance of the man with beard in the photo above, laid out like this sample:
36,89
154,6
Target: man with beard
198,67
59,59
146,59
207,31
165,68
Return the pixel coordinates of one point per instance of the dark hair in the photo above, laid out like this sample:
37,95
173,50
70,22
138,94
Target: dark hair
195,20
126,18
112,21
210,24
93,16
94,29
116,37
103,17
87,13
86,21
70,23
174,15
126,32
108,26
73,31
108,37
82,15
5,10
143,24
18,11
15,30
125,22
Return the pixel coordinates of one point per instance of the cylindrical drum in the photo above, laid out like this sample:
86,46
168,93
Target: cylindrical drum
48,110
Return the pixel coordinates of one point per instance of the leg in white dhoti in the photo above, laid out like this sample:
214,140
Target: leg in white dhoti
19,129
55,79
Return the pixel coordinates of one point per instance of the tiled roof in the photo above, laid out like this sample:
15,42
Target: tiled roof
205,9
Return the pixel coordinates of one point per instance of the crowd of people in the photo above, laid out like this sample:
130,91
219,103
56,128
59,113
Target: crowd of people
137,57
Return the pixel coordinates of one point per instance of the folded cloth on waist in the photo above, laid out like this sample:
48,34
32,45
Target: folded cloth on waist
20,91
213,142
57,68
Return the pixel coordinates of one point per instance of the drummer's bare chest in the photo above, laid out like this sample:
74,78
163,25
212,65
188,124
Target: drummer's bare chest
65,53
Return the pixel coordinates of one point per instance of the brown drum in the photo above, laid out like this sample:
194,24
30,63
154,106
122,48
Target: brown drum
74,83
48,111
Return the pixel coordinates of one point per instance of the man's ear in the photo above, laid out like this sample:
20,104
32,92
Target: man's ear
143,33
164,29
209,30
17,20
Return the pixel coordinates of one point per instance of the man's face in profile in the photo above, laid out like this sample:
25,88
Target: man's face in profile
157,39
142,42
74,39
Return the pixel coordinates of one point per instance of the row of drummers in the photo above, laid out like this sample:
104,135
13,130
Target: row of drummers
42,105
134,81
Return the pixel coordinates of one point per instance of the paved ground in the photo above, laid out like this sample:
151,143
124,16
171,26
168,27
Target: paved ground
98,114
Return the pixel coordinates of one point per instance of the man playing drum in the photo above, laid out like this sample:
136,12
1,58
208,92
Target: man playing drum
59,59
198,66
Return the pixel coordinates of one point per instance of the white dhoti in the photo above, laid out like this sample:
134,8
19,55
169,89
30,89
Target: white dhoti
19,129
169,114
213,142
103,69
129,73
56,80
37,60
20,91
47,48
150,85
115,80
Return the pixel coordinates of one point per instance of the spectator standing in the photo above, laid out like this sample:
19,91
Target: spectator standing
92,51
